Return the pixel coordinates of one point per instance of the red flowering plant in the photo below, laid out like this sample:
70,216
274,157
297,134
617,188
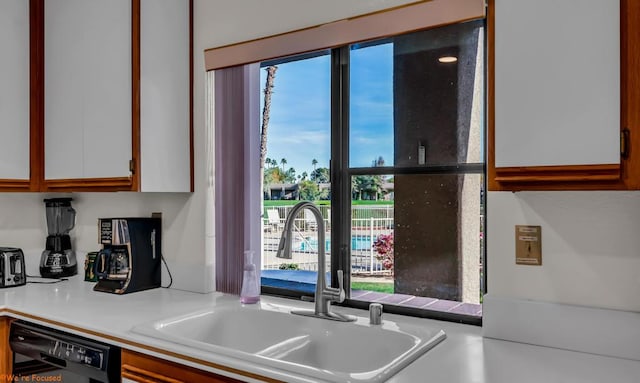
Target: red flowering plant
383,245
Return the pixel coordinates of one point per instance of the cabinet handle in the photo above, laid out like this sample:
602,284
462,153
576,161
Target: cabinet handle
624,143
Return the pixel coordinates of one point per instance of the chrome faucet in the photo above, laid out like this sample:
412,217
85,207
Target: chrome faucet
324,294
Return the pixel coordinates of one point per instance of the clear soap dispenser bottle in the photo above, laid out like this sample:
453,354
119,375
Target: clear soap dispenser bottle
250,292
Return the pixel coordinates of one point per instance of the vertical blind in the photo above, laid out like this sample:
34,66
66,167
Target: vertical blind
237,198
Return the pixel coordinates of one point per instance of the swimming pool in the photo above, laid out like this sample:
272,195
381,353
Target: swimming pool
362,242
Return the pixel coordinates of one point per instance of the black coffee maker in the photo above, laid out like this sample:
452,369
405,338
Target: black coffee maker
130,257
59,259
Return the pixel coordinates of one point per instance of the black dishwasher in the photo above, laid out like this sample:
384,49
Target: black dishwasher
44,354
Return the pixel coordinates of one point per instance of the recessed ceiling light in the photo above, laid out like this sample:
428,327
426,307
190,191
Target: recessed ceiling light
448,59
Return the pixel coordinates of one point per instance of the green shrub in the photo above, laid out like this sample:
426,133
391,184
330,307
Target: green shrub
289,266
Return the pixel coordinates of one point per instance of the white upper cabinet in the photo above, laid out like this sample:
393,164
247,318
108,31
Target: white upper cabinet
88,88
14,89
164,96
557,82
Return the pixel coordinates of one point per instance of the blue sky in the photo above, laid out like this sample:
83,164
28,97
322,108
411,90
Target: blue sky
300,122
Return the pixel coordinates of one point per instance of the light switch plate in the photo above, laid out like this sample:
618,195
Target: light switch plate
528,245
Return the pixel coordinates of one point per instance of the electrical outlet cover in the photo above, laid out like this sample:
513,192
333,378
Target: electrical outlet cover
528,245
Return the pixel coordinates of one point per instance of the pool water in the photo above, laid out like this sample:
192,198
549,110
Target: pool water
357,243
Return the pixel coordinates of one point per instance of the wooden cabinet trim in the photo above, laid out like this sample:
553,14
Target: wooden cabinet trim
626,175
107,183
36,93
191,101
630,88
88,184
575,173
144,368
135,94
15,185
144,376
6,358
37,181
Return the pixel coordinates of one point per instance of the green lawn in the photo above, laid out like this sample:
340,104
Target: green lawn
379,202
373,286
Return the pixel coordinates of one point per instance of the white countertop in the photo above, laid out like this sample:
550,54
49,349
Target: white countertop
465,356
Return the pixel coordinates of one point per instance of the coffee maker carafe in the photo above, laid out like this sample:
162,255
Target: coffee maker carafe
58,259
130,257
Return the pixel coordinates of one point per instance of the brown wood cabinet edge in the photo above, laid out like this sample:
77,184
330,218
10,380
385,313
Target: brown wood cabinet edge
6,359
191,100
88,184
575,173
36,94
144,376
135,89
579,177
143,368
37,183
135,94
630,88
583,177
139,345
15,185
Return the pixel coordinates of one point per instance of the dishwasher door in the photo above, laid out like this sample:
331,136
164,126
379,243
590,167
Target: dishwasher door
43,352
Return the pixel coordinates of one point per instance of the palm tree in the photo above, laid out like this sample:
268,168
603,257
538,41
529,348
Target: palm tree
367,185
304,176
314,162
283,162
290,175
268,91
320,175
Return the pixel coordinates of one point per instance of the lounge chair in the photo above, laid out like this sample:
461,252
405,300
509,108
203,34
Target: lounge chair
309,220
273,219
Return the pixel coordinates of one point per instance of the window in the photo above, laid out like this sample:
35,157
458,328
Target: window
387,138
296,165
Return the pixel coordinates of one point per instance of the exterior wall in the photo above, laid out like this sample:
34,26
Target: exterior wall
435,228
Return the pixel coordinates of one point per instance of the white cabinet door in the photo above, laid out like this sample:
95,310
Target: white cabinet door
164,96
14,89
88,104
557,82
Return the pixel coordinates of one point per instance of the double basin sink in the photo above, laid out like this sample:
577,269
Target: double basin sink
269,335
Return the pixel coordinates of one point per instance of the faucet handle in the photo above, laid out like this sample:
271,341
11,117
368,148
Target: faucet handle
375,313
341,291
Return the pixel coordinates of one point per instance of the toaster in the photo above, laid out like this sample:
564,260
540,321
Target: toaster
12,268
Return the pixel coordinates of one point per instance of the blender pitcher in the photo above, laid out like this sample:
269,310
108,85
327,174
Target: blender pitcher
61,217
59,259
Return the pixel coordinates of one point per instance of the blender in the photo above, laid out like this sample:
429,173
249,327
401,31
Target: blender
58,259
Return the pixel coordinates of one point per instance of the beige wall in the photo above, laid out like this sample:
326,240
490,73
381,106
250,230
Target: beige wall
591,240
22,223
223,22
188,238
590,247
